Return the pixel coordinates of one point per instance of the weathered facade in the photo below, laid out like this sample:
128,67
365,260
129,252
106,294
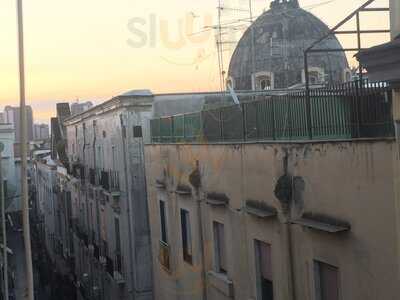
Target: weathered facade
108,199
323,213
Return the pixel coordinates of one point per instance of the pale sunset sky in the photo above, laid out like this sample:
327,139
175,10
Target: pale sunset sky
96,49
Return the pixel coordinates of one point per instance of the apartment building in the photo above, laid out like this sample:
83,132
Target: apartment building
107,191
241,209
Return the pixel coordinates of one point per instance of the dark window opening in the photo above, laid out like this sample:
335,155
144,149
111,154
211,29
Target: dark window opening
264,270
326,281
220,248
163,221
186,236
137,132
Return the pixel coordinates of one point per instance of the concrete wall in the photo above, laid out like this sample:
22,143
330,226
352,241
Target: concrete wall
350,182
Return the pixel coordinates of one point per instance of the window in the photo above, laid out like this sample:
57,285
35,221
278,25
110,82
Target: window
220,249
314,77
264,271
326,281
164,247
163,221
118,256
263,81
186,236
137,132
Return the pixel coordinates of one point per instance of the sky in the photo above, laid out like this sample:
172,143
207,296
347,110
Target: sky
96,49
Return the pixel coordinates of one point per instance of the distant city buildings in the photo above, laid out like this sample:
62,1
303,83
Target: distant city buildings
41,131
80,107
12,116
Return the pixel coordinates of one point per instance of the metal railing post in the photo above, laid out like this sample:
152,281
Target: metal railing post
308,96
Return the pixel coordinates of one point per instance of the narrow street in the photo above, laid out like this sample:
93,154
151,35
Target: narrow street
17,267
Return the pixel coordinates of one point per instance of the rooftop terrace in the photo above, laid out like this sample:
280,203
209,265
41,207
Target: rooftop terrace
347,111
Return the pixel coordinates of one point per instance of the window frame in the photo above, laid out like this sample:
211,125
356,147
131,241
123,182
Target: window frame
258,267
220,253
163,222
318,288
186,235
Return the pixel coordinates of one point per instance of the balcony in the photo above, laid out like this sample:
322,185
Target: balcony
119,269
164,255
109,181
92,176
110,266
105,180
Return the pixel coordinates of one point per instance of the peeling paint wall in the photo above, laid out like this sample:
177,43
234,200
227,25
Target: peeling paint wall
351,182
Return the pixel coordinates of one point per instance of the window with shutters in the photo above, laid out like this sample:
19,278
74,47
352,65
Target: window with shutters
326,278
220,248
263,256
186,236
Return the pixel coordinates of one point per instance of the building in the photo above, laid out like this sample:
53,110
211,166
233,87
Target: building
274,200
100,234
80,107
247,210
270,55
7,137
12,116
105,152
41,132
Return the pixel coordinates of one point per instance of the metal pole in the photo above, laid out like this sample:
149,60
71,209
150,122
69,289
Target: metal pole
24,160
360,68
3,225
253,65
308,97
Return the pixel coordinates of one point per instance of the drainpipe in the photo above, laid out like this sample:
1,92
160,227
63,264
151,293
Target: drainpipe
128,211
284,193
201,238
203,259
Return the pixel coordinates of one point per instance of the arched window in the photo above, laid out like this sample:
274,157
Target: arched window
316,75
347,75
263,81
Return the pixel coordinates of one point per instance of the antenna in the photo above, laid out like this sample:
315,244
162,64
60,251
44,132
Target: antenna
233,19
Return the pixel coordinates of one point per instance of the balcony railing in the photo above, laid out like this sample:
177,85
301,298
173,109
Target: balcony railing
105,180
164,255
92,176
348,111
110,266
110,180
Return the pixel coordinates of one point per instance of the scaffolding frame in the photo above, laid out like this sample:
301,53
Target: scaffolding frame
335,31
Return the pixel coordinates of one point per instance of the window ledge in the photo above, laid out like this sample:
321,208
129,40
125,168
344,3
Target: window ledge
221,283
322,225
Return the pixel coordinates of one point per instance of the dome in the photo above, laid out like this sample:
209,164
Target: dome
281,35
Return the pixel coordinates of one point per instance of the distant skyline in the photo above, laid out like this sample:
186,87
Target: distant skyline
93,50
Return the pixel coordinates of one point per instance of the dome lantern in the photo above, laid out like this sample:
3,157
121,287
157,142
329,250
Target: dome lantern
284,4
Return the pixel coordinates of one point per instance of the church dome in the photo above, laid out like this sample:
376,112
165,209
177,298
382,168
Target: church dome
281,35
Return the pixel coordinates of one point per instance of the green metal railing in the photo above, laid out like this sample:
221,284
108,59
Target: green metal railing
352,110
